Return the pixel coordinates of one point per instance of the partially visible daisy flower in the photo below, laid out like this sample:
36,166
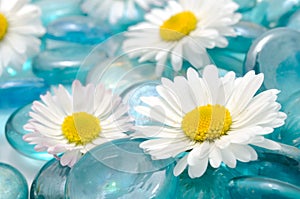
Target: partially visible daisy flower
114,10
184,29
74,124
209,120
20,27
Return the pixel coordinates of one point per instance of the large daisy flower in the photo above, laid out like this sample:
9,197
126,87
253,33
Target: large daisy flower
20,27
184,29
75,124
114,10
209,120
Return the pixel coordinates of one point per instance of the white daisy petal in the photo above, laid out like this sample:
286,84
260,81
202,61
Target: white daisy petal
22,28
180,166
216,137
198,170
200,28
70,124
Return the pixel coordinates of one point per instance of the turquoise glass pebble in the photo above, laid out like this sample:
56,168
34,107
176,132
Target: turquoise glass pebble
14,133
77,29
246,32
272,13
12,183
50,181
276,53
294,21
120,169
61,65
245,5
16,92
54,9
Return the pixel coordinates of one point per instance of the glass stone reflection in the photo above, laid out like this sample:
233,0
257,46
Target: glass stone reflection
12,183
120,169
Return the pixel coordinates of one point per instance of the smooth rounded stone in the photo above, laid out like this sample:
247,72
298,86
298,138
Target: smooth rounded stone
276,53
261,187
133,99
16,92
78,29
247,32
211,185
14,133
61,65
294,21
12,183
245,5
272,13
50,181
120,169
285,163
228,60
54,9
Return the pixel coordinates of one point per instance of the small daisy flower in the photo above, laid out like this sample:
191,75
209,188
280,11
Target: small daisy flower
20,27
114,10
209,120
184,29
73,125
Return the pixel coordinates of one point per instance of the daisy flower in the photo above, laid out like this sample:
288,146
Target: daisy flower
20,27
184,29
74,124
114,10
209,120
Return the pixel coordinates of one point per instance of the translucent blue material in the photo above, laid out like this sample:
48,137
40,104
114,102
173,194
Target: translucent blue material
120,169
294,21
246,33
14,133
277,54
245,5
248,180
50,181
272,13
261,187
16,92
228,60
12,183
78,29
54,9
211,185
60,65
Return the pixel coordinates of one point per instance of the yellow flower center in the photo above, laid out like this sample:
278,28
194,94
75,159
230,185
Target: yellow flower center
3,26
178,26
81,128
206,123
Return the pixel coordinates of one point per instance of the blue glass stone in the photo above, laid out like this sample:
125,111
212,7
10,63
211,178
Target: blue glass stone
228,60
120,169
14,133
294,21
61,65
12,183
50,181
247,32
272,13
16,92
77,29
261,187
276,53
54,9
211,185
245,5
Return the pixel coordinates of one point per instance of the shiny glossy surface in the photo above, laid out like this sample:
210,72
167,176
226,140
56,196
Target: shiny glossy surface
50,181
12,183
120,169
14,133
